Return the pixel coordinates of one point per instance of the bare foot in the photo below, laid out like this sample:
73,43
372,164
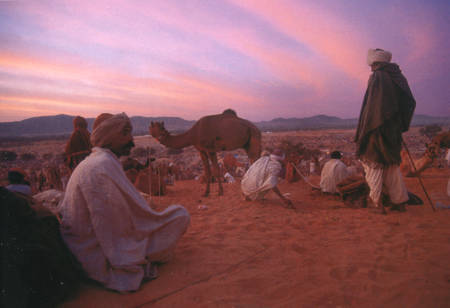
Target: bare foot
246,198
378,210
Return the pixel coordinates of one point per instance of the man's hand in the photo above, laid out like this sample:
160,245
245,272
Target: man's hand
288,203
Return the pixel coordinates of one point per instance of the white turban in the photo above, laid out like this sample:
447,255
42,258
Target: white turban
277,154
108,130
378,55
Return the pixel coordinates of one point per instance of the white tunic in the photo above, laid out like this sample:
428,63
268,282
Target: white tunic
261,177
109,226
333,172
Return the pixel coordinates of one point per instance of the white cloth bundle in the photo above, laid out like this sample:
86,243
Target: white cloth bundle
261,177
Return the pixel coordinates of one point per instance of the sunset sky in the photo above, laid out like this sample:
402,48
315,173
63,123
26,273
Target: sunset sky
190,58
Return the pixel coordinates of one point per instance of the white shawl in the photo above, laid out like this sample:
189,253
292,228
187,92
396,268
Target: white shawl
109,226
261,177
333,172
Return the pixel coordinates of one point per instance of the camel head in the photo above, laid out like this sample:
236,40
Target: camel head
157,130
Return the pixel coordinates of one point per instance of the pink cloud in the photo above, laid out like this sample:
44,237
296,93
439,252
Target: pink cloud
284,64
95,85
321,30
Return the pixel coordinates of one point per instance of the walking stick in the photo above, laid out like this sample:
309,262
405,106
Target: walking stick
418,176
159,184
150,170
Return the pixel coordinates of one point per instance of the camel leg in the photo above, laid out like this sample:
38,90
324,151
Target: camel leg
254,148
216,170
204,157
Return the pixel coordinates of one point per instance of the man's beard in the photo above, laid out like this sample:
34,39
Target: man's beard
126,150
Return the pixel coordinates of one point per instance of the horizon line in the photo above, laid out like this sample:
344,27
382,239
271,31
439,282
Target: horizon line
306,117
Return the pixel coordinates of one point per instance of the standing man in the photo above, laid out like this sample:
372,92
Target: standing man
79,145
117,237
386,113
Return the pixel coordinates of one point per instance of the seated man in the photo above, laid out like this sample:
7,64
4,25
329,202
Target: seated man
262,176
333,172
17,182
117,237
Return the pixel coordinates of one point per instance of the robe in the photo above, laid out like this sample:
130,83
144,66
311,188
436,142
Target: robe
109,226
333,172
261,177
386,113
78,147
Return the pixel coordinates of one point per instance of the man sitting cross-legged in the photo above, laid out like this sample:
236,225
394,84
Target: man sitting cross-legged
117,237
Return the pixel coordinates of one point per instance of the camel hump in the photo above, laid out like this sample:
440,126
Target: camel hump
229,112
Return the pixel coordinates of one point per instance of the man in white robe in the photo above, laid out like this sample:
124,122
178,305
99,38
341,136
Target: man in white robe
333,172
262,176
106,222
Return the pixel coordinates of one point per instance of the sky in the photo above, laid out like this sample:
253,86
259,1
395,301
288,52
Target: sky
190,58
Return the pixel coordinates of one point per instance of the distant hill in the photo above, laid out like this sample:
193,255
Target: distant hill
61,125
328,122
316,122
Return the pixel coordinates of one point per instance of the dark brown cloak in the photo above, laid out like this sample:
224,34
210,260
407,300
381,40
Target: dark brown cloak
38,269
386,113
78,147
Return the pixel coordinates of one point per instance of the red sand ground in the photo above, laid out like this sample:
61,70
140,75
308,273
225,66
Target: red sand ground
322,254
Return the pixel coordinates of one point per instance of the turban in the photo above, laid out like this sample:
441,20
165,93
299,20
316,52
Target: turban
277,154
378,55
108,129
100,119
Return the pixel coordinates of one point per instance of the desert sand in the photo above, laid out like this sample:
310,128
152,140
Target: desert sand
321,254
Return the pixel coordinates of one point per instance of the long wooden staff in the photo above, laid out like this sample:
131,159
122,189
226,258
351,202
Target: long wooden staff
418,175
159,185
304,178
149,174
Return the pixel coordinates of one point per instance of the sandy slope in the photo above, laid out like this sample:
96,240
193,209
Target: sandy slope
322,254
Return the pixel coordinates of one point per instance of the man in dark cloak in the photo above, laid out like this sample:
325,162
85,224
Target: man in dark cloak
79,145
386,113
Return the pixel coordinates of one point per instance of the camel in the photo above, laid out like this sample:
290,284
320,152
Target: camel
139,175
157,185
132,167
212,134
440,141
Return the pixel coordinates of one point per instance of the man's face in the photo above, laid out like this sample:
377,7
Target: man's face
123,143
376,65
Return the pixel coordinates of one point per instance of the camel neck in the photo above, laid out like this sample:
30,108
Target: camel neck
177,141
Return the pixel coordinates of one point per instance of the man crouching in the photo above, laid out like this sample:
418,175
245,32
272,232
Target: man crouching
262,176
